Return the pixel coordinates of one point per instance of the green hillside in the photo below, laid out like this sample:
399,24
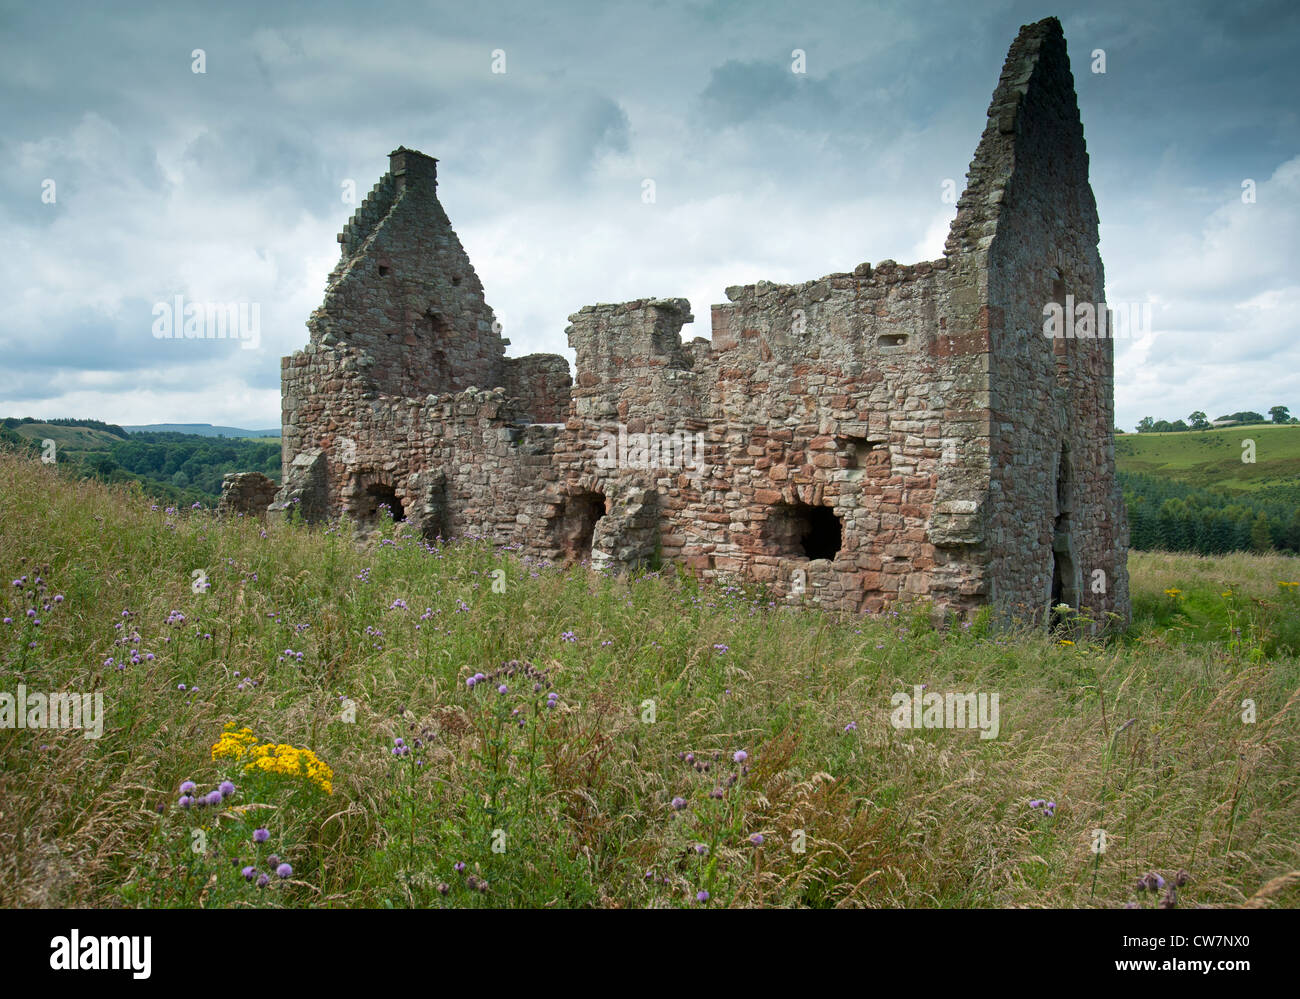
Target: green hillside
77,438
181,469
1212,458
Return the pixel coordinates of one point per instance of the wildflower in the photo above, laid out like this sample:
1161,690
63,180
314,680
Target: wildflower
701,896
459,866
569,636
248,873
180,686
263,881
851,727
501,689
701,849
187,787
679,804
284,870
756,839
740,756
1036,803
261,835
226,788
214,798
185,801
716,793
273,859
690,757
1049,809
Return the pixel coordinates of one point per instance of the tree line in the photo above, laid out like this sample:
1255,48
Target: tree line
1177,517
174,467
1277,415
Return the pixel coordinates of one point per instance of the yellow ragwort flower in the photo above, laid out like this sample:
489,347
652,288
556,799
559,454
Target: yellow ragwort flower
273,758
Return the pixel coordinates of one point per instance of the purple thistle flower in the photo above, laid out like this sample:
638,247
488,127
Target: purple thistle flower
740,756
458,866
757,839
185,801
679,803
226,788
502,689
701,849
214,797
284,870
261,835
701,896
187,787
263,881
248,873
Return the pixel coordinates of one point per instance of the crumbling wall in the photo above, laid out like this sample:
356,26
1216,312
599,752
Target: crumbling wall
541,384
404,291
246,493
863,440
1056,511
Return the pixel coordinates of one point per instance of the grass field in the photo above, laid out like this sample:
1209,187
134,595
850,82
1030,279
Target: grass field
1214,457
631,743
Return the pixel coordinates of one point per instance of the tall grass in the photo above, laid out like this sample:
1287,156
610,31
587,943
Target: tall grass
623,789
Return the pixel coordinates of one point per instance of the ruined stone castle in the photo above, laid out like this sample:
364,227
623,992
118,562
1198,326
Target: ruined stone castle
873,437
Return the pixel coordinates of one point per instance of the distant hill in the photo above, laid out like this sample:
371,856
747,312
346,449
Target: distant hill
200,430
179,463
1212,458
76,438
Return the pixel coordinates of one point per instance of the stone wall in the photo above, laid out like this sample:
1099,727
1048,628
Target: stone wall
874,437
246,493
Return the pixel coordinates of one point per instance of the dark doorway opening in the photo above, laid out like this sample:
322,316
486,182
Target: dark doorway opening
1064,588
800,529
380,499
577,524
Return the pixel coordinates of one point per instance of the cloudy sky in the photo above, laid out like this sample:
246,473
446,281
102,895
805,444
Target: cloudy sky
227,185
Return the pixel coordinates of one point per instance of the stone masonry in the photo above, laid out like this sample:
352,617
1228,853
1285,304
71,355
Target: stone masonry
874,437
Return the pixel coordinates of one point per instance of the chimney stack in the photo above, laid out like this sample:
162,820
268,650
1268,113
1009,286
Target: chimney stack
413,168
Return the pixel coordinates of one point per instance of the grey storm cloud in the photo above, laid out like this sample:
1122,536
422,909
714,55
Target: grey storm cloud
229,186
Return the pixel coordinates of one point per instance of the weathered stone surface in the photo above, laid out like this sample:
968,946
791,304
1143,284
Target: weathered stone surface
892,433
246,493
